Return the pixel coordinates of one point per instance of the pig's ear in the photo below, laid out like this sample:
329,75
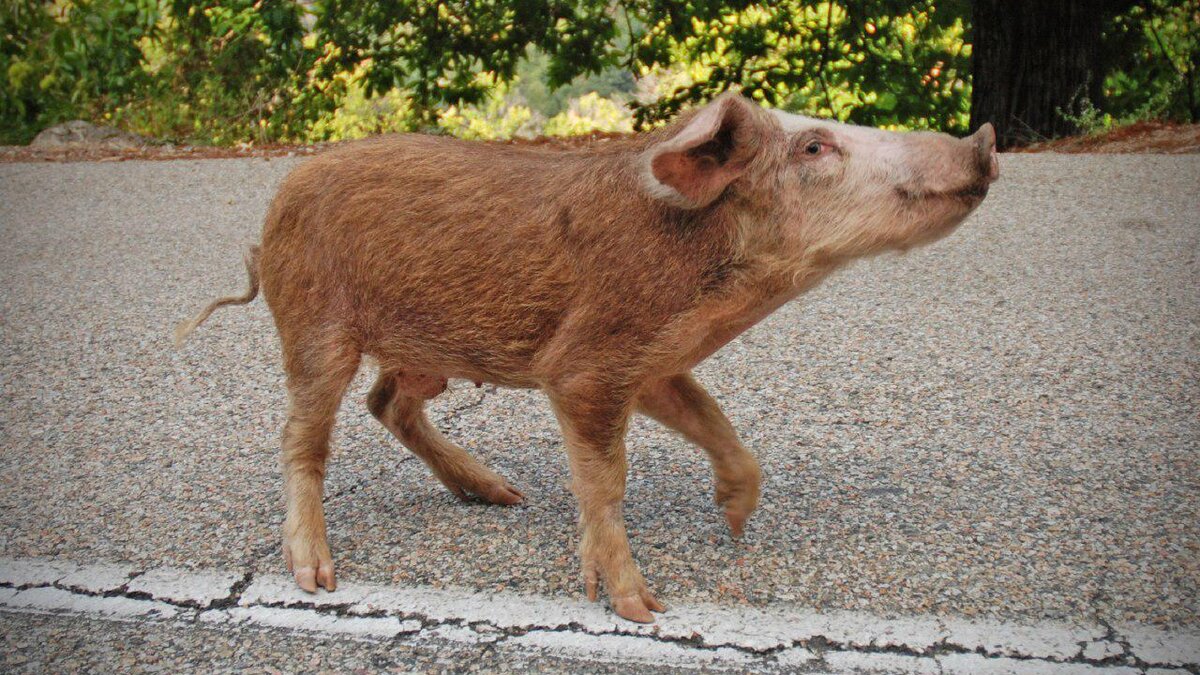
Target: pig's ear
693,167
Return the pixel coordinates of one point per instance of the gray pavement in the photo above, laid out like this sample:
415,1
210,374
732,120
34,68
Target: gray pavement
1003,425
74,644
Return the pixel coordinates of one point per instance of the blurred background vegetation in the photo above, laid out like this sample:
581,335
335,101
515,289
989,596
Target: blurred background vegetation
260,71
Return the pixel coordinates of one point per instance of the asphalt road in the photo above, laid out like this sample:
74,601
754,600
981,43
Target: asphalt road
1001,427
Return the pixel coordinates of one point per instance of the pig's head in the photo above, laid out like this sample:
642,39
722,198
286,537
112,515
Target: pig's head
812,190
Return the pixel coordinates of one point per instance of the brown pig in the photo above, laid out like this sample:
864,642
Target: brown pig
600,275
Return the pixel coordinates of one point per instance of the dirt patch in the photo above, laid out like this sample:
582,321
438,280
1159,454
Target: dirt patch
24,153
1142,137
78,153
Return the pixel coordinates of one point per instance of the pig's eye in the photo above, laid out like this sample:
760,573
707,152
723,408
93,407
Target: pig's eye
812,148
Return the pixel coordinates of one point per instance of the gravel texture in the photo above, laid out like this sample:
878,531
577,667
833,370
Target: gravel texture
52,644
1001,425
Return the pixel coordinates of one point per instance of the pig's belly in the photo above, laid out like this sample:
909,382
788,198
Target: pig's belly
425,368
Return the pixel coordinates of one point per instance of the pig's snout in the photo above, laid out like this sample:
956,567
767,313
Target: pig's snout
984,140
941,166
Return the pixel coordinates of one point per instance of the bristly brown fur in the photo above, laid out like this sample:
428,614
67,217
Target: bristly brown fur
601,276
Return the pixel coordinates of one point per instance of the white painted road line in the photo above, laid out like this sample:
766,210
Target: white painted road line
309,620
709,636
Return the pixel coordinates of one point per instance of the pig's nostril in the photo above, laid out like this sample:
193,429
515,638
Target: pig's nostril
986,135
992,170
984,142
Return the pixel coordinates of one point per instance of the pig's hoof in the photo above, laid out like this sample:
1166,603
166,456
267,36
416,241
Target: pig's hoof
310,578
492,489
737,512
737,522
637,607
310,572
738,499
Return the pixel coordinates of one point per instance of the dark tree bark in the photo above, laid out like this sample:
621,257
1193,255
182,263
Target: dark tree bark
1032,59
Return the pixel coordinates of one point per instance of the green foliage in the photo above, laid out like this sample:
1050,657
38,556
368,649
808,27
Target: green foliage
71,60
589,113
436,50
1157,74
360,115
234,70
497,116
1086,117
230,71
880,62
877,63
506,114
532,84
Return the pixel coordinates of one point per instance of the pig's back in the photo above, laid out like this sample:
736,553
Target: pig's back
444,248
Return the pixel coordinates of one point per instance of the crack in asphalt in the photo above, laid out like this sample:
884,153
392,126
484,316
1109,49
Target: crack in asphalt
361,483
235,593
452,415
493,634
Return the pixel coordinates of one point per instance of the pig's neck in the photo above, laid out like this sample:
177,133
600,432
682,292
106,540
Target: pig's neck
766,284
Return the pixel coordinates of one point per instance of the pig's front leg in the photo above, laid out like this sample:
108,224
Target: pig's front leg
681,404
594,422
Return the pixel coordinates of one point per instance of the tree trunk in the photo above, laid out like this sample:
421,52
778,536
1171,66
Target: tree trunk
1034,60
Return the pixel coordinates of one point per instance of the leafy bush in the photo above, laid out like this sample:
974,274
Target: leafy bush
1155,72
359,115
71,60
877,63
232,71
589,113
1155,77
500,115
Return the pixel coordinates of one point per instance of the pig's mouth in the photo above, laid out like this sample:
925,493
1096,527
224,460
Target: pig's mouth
970,195
974,193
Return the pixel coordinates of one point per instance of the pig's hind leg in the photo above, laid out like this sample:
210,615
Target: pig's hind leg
318,374
391,402
681,404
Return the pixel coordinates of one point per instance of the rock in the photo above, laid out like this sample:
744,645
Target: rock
78,133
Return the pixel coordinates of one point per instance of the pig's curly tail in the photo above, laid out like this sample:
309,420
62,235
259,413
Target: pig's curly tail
250,255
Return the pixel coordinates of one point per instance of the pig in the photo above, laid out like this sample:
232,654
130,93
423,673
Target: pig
600,275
